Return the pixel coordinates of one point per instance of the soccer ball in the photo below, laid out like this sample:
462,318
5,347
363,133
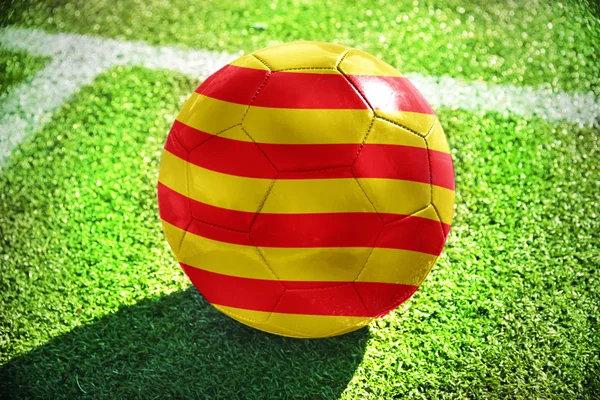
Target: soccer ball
306,189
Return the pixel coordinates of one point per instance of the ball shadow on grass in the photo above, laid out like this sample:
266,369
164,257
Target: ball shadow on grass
180,346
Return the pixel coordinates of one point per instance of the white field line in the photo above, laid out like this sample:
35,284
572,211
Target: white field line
78,59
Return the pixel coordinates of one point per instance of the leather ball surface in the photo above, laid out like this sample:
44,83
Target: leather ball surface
306,189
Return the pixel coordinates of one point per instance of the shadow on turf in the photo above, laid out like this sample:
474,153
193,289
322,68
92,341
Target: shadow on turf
180,346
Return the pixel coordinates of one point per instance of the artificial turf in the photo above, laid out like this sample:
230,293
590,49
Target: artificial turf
554,44
17,66
92,301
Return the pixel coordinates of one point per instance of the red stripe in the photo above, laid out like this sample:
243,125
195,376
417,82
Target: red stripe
301,230
365,299
233,84
236,157
313,91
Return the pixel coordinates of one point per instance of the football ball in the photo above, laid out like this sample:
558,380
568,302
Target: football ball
306,189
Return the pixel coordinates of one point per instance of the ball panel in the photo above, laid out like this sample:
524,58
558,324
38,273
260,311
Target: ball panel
296,325
311,157
390,93
420,232
391,196
217,256
442,169
381,298
397,266
246,293
226,191
301,55
322,298
302,126
443,199
229,154
234,84
308,196
174,236
341,264
384,132
392,162
416,122
316,230
436,139
358,62
210,115
297,90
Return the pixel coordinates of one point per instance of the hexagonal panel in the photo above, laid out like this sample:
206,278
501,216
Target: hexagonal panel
316,230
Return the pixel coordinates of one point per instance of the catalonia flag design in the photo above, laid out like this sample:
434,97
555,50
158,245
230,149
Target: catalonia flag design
306,189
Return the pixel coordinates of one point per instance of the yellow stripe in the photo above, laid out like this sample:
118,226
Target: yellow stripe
296,325
419,123
303,126
436,138
300,264
358,62
317,58
249,61
385,132
299,196
302,55
210,115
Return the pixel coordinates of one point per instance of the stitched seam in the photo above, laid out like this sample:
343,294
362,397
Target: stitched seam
431,179
185,232
264,82
262,256
219,226
213,136
337,64
276,304
367,261
314,169
401,126
362,144
263,62
306,69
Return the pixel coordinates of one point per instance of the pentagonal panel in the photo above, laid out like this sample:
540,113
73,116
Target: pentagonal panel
301,55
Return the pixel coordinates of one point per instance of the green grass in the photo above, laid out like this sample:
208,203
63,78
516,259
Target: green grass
18,66
92,301
523,43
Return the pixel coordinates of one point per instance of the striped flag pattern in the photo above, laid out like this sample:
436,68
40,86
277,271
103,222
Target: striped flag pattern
306,189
